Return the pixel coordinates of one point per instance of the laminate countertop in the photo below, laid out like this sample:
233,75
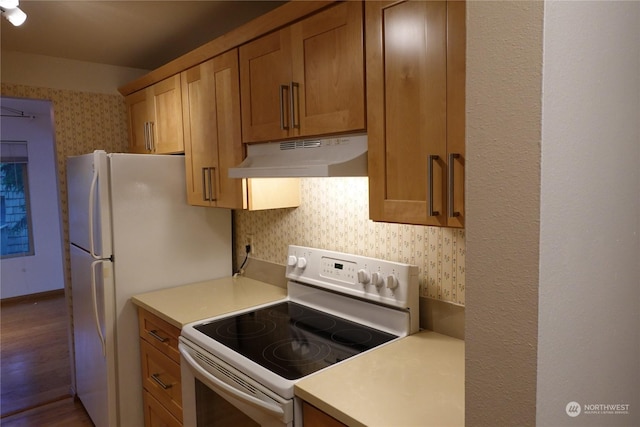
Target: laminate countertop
415,381
197,301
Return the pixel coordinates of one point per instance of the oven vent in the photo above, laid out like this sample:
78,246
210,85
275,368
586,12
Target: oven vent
227,373
305,143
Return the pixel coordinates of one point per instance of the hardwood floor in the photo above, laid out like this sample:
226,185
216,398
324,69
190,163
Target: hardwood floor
35,368
63,413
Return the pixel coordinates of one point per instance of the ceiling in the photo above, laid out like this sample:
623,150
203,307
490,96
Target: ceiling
138,34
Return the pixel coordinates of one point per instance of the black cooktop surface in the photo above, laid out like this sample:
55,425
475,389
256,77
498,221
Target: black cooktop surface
293,340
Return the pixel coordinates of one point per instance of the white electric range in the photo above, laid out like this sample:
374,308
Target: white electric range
240,369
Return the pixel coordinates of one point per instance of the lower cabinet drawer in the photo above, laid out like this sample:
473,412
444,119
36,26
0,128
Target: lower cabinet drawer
156,415
161,378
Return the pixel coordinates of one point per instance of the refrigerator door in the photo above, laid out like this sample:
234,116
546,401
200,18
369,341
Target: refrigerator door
89,209
159,241
93,320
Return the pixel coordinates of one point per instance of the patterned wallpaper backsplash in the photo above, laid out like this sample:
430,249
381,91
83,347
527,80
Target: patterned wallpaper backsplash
334,215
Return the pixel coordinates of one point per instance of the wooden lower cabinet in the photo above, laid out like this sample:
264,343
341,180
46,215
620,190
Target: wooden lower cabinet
313,417
156,415
161,376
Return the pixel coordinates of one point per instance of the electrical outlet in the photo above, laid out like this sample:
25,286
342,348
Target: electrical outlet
251,243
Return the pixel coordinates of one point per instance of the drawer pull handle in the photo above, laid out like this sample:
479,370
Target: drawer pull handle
154,334
161,383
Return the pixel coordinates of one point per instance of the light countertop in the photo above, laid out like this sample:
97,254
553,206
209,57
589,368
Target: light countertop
415,381
197,301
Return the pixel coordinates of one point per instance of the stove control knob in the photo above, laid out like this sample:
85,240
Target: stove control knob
302,263
377,280
292,261
392,282
364,277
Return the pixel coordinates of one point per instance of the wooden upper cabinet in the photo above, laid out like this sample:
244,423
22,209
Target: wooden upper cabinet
211,119
306,79
265,72
328,65
139,119
155,118
415,91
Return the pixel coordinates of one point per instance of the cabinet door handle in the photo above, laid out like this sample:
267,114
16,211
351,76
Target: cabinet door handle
282,114
430,161
212,192
156,378
146,136
154,334
293,104
152,142
205,191
450,209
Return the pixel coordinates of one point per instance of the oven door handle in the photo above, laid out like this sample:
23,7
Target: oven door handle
273,409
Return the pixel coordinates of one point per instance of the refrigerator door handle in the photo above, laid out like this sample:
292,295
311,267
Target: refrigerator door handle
92,195
95,306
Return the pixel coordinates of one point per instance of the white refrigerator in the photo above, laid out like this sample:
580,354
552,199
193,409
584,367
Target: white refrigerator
131,231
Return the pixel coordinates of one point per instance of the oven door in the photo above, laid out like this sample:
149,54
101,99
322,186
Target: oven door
214,394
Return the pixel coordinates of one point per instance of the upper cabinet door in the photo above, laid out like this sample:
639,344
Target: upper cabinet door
167,126
265,73
306,79
328,71
200,144
139,119
211,116
155,118
415,92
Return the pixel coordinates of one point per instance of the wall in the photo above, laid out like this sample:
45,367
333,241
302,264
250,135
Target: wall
57,73
504,91
42,271
589,344
553,212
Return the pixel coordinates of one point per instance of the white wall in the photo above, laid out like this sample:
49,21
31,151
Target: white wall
44,270
589,342
58,73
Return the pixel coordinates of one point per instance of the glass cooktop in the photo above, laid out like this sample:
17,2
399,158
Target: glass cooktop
293,340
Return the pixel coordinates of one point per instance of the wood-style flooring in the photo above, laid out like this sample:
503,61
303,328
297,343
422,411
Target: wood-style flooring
35,368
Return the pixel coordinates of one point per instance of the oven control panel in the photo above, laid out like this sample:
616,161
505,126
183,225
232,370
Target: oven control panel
387,282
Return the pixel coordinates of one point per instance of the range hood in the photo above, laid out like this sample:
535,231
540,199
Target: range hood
338,156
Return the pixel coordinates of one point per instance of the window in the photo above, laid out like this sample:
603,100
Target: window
15,212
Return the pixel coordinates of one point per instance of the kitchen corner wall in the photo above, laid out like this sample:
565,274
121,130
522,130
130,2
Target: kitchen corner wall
334,214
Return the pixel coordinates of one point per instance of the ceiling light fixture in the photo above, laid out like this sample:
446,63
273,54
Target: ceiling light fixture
12,12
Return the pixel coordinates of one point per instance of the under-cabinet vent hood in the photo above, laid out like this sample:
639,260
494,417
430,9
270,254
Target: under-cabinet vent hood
338,156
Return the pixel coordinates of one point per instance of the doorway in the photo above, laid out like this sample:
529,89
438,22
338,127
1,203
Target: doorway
35,325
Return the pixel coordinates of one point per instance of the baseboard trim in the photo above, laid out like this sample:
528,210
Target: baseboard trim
33,297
